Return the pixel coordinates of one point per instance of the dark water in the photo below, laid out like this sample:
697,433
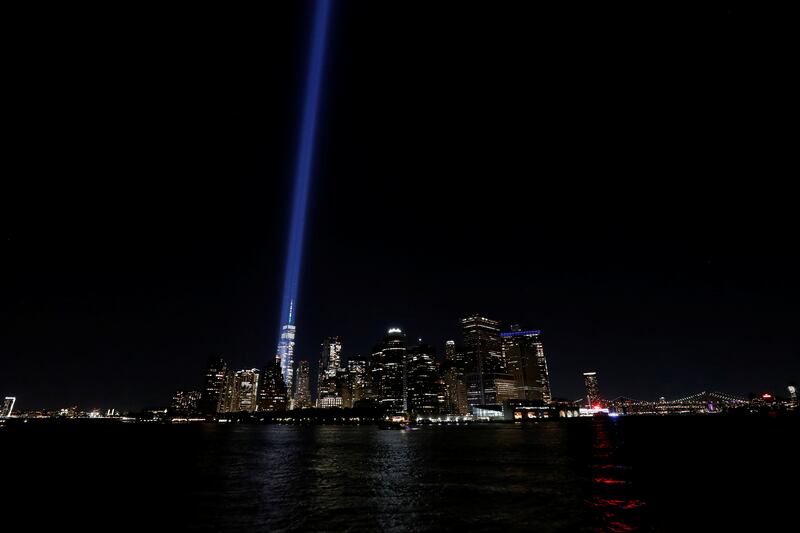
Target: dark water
637,474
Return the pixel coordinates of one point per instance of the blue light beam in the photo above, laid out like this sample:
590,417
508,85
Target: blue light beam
302,179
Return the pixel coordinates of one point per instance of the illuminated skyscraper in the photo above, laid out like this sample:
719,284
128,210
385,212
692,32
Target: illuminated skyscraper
393,371
449,350
302,390
285,355
245,390
328,384
272,394
592,389
331,357
216,374
357,379
484,358
227,396
424,392
524,356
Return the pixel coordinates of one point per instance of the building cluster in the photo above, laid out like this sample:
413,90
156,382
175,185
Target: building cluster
484,371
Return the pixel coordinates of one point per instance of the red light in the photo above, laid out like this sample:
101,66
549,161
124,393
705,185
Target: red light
766,395
597,406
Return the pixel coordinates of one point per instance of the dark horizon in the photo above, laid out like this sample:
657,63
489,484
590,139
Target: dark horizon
612,176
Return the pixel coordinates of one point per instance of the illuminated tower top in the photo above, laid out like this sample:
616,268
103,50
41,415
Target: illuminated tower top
592,389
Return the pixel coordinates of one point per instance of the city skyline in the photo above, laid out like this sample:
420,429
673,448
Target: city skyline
572,171
222,390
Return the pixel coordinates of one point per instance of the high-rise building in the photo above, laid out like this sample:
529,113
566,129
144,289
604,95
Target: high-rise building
329,382
453,378
245,390
393,371
227,396
331,357
215,379
484,358
185,402
8,406
449,350
425,395
792,395
375,373
524,355
592,389
357,379
272,393
285,355
302,389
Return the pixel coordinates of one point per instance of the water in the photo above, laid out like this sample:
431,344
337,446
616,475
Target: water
637,474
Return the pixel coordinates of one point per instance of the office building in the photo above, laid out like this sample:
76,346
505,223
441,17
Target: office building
302,388
215,379
524,356
424,390
245,390
272,392
592,390
483,358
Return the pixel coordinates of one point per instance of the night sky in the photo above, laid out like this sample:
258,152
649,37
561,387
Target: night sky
619,177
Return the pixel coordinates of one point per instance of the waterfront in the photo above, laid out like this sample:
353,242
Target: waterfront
647,474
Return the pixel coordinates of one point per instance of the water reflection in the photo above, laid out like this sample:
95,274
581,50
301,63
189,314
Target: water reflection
613,500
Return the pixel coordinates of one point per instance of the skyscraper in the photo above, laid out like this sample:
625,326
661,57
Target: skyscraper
484,358
357,379
592,389
331,357
271,388
245,390
449,350
524,355
423,387
227,396
285,355
328,386
393,374
302,390
216,373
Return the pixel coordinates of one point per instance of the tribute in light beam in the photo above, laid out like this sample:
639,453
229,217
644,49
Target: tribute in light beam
302,182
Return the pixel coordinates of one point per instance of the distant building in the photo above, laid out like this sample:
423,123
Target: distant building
592,389
424,391
8,406
357,379
302,389
524,355
450,350
185,402
328,386
245,389
272,393
453,377
393,394
484,358
216,375
227,396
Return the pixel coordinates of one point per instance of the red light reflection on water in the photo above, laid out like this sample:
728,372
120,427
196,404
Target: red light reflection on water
613,500
609,481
